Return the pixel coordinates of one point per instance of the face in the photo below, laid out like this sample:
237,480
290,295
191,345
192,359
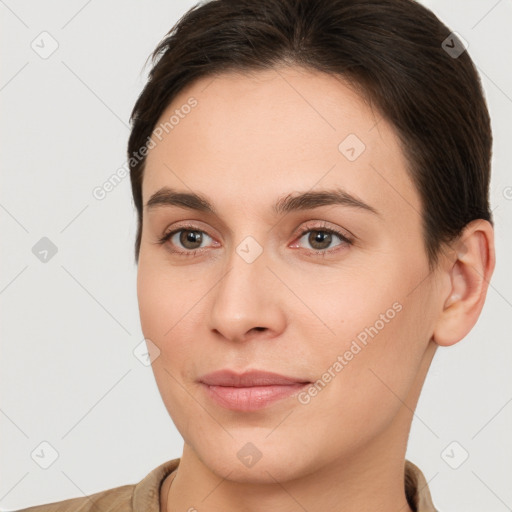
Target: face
334,292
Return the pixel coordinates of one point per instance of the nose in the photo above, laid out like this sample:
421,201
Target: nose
247,301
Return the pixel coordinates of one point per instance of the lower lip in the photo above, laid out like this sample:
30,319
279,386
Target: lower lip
251,398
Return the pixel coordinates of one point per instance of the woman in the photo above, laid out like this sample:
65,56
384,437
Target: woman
313,223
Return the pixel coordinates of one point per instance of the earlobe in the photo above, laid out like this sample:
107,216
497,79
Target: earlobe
468,279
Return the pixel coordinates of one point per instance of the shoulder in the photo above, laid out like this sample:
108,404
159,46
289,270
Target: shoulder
118,499
143,496
416,489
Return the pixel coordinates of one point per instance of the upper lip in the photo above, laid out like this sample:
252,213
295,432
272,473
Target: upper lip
249,378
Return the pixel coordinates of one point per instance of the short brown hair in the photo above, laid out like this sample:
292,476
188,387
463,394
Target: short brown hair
392,51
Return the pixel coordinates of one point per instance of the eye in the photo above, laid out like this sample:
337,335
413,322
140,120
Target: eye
321,239
188,240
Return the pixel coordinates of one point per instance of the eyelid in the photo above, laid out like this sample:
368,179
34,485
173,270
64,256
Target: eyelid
320,225
191,225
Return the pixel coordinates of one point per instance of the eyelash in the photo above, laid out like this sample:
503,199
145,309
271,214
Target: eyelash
322,229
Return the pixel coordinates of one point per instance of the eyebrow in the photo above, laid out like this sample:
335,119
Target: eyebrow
292,202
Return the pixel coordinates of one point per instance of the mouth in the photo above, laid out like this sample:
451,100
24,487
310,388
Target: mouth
251,390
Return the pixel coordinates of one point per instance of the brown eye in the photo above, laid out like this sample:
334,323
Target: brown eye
190,239
320,240
186,241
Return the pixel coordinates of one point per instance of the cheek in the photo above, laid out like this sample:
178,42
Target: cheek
374,343
363,381
167,313
171,313
163,298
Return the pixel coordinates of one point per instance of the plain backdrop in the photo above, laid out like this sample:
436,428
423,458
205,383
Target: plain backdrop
70,325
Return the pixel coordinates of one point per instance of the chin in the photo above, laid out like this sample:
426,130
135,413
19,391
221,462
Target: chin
260,461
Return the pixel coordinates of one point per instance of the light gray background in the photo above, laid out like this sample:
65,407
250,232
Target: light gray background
69,326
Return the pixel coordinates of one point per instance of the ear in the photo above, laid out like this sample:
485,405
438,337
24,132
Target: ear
467,273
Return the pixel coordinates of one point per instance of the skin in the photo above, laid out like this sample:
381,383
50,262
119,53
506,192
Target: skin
251,140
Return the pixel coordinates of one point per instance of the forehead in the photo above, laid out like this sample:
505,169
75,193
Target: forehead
252,136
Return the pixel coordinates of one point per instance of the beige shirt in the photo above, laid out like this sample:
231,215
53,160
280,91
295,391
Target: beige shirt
145,496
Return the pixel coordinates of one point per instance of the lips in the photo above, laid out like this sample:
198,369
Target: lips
247,379
251,390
